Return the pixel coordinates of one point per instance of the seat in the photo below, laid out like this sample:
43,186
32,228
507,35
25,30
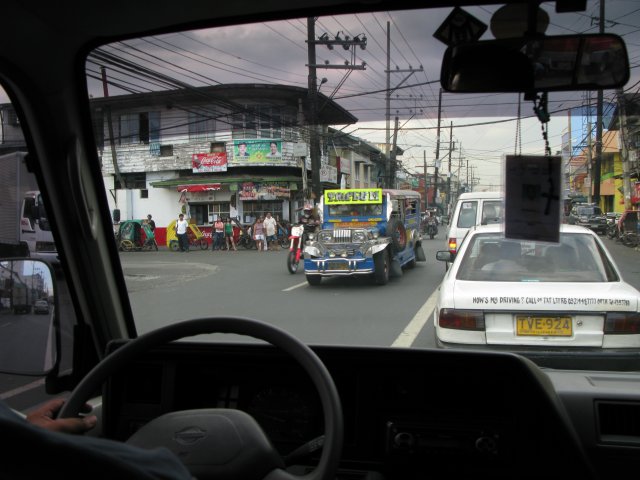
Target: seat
489,253
489,215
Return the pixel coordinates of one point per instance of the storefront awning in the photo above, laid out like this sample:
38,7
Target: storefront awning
203,187
187,182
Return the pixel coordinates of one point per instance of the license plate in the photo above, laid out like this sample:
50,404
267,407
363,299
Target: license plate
544,326
338,266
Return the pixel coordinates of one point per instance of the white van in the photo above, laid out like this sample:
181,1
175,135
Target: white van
474,208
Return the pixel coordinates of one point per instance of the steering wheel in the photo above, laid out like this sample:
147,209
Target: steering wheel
223,443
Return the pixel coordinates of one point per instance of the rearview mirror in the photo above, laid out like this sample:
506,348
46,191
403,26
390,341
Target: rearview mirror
543,64
27,304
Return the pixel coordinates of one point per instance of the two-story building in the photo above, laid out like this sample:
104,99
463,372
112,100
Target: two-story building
234,150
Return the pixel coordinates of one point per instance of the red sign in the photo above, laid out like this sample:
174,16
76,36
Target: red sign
203,187
209,162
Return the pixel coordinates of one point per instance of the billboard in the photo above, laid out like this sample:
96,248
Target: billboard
257,152
209,162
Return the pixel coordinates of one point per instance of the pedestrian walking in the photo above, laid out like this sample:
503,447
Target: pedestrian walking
228,234
218,234
270,229
258,234
181,232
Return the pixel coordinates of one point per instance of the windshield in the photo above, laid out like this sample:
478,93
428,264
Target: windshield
244,123
355,210
577,258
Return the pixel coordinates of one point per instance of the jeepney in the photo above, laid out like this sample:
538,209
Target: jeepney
366,231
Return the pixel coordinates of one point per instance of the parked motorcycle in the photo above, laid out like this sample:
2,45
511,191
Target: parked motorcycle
612,225
295,248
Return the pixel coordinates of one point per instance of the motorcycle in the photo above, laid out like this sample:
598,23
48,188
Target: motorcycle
612,225
432,228
295,248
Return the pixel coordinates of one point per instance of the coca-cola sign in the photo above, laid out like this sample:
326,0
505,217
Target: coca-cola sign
209,162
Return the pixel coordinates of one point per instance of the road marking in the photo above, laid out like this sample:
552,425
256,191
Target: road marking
294,287
413,328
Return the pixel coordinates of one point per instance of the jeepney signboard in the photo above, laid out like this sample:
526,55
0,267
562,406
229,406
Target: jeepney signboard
353,196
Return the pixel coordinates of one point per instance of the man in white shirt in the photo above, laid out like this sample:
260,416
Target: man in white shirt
270,228
181,232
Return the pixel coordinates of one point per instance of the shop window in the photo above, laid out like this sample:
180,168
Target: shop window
253,210
217,210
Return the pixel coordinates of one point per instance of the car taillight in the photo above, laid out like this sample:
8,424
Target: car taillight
453,245
622,322
461,319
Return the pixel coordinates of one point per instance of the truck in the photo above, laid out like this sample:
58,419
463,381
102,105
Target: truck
371,232
21,298
24,226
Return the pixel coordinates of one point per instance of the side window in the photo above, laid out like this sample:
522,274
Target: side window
29,209
25,283
468,214
491,212
411,207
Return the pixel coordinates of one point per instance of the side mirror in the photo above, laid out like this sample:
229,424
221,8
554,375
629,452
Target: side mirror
28,344
445,256
538,64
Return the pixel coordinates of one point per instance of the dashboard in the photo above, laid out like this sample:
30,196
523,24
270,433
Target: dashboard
408,413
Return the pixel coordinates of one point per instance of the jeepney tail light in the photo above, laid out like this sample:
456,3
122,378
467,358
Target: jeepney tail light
453,245
622,323
461,319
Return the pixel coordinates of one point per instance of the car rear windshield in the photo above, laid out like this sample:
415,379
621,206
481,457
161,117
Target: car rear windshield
589,211
577,258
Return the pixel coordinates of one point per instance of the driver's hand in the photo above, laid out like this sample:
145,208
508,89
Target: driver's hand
44,416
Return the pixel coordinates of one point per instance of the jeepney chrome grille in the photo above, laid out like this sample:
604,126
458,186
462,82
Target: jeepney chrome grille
350,251
342,235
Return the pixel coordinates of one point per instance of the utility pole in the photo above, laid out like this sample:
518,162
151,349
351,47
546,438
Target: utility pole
435,175
626,180
426,187
314,136
392,159
600,100
450,172
590,173
388,71
314,140
112,144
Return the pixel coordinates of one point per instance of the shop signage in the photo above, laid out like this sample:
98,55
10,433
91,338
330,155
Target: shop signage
209,162
328,173
257,152
202,187
264,191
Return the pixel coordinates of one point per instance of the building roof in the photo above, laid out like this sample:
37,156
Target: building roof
234,97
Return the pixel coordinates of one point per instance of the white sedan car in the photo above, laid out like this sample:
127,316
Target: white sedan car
530,295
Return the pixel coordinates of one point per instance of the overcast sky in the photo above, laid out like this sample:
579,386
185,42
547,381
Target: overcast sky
484,126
